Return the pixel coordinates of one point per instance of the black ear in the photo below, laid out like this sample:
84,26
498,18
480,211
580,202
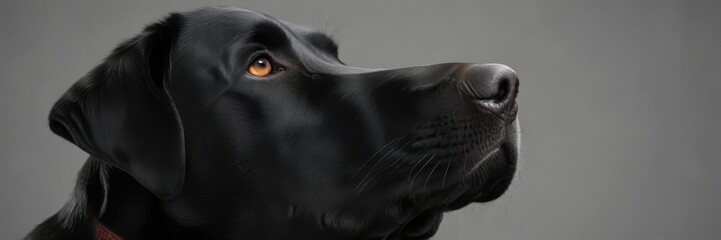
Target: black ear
121,111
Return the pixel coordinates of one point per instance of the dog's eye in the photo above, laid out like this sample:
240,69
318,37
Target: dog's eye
260,67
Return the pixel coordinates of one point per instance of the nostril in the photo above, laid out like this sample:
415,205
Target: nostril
492,86
507,89
502,91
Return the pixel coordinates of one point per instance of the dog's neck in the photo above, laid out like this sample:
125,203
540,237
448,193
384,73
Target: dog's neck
131,211
106,196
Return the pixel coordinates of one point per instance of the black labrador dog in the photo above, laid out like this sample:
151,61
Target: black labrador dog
225,123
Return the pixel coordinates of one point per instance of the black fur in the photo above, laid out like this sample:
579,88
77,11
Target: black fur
185,144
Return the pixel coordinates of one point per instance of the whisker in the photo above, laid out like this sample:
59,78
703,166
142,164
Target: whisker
371,158
429,176
389,153
395,167
479,163
483,171
364,182
379,172
443,185
415,165
370,171
419,171
401,157
464,162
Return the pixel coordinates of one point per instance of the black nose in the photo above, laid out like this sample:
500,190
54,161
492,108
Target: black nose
492,86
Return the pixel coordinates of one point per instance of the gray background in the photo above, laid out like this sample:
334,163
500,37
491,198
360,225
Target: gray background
619,102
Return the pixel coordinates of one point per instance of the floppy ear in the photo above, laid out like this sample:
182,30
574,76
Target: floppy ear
121,111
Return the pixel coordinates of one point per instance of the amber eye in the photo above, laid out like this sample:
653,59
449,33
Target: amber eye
260,67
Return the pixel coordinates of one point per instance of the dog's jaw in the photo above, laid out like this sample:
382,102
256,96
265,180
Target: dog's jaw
421,213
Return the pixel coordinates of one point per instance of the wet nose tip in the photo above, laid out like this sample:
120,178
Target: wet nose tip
492,86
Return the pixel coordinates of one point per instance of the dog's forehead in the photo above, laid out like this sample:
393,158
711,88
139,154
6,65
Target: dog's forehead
208,33
231,24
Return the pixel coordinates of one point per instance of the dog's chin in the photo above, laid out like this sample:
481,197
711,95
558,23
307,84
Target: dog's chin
503,177
503,162
500,168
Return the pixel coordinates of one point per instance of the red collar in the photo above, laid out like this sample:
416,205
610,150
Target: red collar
103,233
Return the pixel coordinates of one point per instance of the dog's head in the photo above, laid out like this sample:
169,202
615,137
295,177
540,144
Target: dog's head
244,125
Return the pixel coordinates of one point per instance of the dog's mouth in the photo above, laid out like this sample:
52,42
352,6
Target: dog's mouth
500,170
477,162
499,177
481,178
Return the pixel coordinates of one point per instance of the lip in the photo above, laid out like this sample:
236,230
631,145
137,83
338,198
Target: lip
504,176
505,157
498,164
500,185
